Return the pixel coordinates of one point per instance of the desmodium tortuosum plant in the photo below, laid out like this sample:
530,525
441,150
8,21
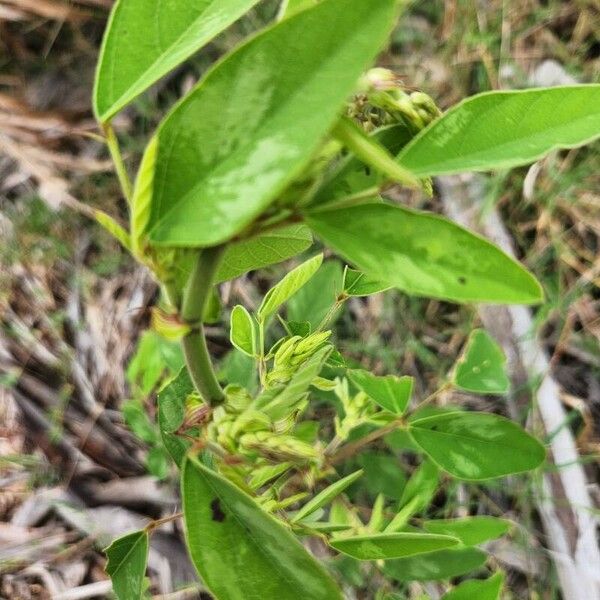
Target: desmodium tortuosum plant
291,135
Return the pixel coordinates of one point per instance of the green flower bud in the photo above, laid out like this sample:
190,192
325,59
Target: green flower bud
237,398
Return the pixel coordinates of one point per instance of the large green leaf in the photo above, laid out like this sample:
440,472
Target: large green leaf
469,530
477,589
145,39
288,286
250,127
126,564
477,445
498,130
424,254
482,368
391,545
435,566
390,392
240,551
269,248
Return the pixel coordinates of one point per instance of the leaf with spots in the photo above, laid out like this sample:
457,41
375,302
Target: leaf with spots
240,551
482,367
424,254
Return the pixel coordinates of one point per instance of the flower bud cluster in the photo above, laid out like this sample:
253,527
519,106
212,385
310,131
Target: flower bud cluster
384,91
291,353
358,410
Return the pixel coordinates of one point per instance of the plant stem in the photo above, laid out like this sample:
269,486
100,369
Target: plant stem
372,152
349,450
115,152
195,298
348,201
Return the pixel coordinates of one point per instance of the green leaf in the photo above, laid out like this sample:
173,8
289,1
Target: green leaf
110,225
288,286
478,589
291,7
126,564
243,330
499,130
435,566
357,284
469,530
315,299
416,496
145,39
250,127
241,552
424,254
262,475
171,414
477,446
390,392
391,545
482,368
266,249
326,496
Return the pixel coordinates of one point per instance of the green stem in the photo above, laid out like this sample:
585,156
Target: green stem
371,152
195,298
115,152
357,199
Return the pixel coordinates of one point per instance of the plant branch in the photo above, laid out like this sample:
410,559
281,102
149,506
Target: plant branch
195,298
115,152
351,449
